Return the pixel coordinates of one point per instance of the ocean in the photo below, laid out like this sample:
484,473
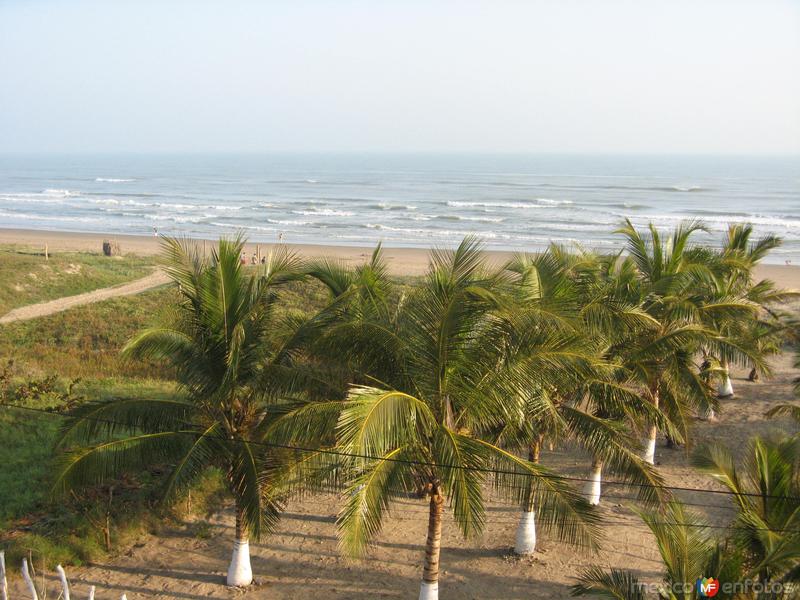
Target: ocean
516,202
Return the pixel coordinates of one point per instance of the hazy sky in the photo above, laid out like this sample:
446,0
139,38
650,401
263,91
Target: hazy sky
669,76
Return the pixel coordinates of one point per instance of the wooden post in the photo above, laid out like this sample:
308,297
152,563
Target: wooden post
29,582
46,253
258,252
3,580
64,585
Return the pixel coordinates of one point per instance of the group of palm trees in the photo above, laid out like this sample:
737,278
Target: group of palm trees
438,389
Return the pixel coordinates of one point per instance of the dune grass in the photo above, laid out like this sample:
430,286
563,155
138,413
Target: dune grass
26,277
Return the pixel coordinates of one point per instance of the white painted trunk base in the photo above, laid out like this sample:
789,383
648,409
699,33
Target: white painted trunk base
240,573
592,487
709,415
650,451
429,591
725,387
526,533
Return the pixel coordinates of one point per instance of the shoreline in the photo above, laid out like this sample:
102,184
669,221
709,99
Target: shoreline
401,261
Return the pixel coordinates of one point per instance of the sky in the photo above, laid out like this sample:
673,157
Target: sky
559,76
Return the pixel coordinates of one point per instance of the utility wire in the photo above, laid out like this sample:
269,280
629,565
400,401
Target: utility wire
333,452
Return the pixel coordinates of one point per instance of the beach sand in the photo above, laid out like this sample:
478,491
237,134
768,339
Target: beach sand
401,261
302,560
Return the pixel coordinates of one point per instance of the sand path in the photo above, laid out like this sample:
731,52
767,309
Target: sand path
33,311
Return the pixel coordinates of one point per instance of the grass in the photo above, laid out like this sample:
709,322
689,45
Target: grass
26,277
84,343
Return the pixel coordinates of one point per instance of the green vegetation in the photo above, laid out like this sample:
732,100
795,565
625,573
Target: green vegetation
763,546
26,277
435,388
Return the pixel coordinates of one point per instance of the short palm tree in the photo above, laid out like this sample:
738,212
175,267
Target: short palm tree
233,361
763,548
766,490
689,552
454,363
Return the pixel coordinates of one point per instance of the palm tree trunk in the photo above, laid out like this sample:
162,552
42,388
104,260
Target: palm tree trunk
725,387
429,588
240,573
593,486
652,432
525,542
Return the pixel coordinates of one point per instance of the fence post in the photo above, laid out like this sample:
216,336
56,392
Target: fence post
3,580
64,585
27,577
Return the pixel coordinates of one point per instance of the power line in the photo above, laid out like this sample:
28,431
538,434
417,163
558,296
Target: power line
333,452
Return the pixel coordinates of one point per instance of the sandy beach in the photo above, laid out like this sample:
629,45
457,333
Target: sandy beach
401,261
302,557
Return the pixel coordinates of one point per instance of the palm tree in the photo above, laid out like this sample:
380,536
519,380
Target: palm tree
763,548
454,362
688,550
766,490
732,270
672,285
234,360
564,289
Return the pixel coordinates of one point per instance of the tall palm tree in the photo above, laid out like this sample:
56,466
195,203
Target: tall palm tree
732,271
672,280
453,363
564,290
234,361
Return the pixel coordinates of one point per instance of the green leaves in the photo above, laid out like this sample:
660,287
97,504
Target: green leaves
377,421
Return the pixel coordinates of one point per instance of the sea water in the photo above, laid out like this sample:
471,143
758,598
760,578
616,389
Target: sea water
517,202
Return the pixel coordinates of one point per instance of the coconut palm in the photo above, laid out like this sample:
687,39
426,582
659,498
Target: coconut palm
765,544
688,550
672,284
766,490
454,364
234,360
733,270
564,289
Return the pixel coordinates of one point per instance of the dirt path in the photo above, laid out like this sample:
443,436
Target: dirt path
33,311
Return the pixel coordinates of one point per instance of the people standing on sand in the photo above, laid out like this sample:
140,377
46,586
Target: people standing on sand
155,231
280,237
254,259
243,258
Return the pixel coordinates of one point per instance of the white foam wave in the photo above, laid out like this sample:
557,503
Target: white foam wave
289,222
551,202
461,204
62,193
113,180
324,212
